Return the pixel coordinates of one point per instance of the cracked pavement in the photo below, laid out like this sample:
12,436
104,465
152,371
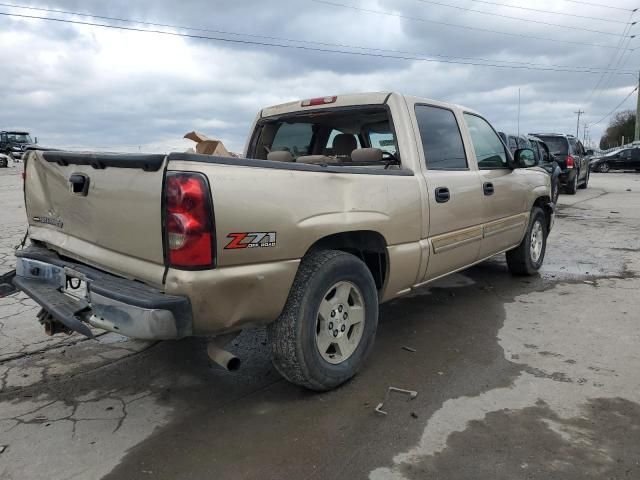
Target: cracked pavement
518,378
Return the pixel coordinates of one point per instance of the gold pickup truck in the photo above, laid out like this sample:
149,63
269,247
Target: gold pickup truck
339,203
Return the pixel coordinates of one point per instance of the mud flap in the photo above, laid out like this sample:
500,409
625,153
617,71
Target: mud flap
6,284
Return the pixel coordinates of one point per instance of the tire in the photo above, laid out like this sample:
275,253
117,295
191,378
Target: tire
4,163
586,182
555,191
522,260
604,167
572,188
300,335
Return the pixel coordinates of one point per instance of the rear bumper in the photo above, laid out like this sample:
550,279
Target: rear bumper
567,176
111,303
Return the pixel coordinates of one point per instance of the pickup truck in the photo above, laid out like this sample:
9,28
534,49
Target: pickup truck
339,203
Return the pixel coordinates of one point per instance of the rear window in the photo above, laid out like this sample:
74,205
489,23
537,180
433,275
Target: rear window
557,145
294,137
441,139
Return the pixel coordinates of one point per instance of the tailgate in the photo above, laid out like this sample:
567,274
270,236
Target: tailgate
102,209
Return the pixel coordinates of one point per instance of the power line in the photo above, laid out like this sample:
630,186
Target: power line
616,108
282,39
298,47
493,14
612,59
455,25
600,5
573,15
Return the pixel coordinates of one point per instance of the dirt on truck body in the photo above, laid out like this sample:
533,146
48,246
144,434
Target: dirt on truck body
339,203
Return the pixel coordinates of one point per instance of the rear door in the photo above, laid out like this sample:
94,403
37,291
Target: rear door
503,192
454,191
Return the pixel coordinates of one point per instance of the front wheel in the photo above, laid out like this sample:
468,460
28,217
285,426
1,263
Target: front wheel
527,258
328,325
604,167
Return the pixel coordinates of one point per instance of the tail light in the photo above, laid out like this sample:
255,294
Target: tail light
570,162
188,221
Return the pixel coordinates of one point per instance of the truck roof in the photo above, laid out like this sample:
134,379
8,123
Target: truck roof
21,132
370,98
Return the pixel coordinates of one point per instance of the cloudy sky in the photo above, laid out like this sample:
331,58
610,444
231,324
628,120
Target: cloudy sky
85,86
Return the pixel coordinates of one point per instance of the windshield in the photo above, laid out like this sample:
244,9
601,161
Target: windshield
19,137
557,145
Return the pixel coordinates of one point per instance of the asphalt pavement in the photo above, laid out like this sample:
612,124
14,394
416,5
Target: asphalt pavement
517,378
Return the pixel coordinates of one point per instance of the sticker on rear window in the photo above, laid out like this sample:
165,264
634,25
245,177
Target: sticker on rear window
251,240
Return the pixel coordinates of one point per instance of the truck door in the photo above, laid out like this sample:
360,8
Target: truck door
503,190
453,185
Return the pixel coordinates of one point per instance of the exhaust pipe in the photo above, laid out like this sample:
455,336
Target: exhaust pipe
226,360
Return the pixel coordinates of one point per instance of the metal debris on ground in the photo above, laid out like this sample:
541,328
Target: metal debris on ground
3,448
411,393
409,349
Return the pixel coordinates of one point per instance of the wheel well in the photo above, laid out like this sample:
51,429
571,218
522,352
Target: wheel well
545,204
367,245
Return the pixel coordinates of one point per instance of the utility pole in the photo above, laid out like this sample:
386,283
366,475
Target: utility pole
584,133
636,138
579,112
519,112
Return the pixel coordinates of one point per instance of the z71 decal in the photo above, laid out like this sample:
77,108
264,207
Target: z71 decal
251,240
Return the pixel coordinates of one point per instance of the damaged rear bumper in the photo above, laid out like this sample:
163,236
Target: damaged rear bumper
111,303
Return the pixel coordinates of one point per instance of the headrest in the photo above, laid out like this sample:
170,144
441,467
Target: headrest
280,156
344,144
368,155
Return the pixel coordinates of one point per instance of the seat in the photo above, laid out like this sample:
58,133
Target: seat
344,144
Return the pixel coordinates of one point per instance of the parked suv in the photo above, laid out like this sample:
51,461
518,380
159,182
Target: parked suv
571,157
625,159
544,157
14,143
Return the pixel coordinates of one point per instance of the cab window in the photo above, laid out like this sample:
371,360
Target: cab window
294,137
489,149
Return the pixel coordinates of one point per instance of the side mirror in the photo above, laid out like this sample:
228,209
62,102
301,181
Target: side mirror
524,157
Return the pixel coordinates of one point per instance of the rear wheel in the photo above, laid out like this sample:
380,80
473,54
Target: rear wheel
586,181
604,167
328,324
572,187
527,258
4,162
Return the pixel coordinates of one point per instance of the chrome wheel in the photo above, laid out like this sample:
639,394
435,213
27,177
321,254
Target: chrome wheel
340,322
604,168
537,241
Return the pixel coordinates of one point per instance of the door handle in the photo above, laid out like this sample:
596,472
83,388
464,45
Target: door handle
487,188
442,195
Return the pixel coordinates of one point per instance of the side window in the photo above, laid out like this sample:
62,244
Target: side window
294,137
573,145
625,154
384,141
513,143
441,138
580,149
489,150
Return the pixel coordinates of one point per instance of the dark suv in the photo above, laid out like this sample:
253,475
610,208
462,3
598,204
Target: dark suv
571,157
14,144
544,157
